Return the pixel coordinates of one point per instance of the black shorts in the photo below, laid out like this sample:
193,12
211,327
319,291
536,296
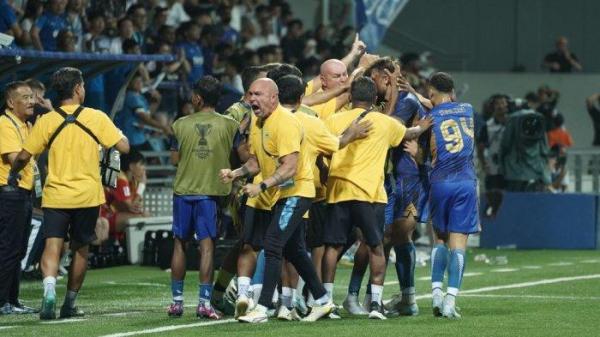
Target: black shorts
256,222
316,223
77,224
344,216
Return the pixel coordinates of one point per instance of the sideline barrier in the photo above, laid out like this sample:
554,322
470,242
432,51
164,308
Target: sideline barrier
543,221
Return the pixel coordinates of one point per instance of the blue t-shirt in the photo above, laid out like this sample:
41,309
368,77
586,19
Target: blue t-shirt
408,109
195,56
230,35
50,25
7,16
128,121
452,142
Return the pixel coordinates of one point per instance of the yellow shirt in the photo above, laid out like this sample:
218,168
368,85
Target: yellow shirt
357,171
11,141
73,172
310,87
325,110
265,200
281,134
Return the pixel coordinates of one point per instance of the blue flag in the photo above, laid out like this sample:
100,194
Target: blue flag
373,17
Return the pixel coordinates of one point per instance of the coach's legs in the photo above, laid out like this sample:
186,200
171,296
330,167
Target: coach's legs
246,264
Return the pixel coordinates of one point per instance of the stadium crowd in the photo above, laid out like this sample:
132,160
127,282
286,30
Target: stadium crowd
327,146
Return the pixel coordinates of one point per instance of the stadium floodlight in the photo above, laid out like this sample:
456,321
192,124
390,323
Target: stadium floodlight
6,40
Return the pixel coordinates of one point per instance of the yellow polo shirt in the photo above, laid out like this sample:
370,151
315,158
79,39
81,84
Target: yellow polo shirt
281,134
73,172
357,171
11,141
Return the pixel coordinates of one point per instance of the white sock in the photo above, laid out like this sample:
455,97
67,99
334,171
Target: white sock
300,285
286,297
437,292
294,296
452,291
243,286
408,295
376,293
323,300
256,292
311,300
49,285
437,285
275,296
329,289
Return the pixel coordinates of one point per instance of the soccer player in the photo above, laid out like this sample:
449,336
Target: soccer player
73,191
277,135
355,190
453,191
201,145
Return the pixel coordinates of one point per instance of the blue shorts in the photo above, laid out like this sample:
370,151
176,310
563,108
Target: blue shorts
423,207
391,196
408,193
454,206
195,214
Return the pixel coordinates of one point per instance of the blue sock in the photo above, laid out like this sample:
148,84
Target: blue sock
205,292
456,269
259,272
439,260
405,264
177,290
355,283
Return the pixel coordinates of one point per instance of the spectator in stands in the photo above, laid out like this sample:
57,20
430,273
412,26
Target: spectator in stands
228,33
176,14
94,41
411,69
593,107
194,53
136,115
294,42
8,21
65,41
47,26
33,11
160,19
265,37
562,60
110,8
558,171
548,99
559,136
495,130
126,31
139,17
75,16
126,201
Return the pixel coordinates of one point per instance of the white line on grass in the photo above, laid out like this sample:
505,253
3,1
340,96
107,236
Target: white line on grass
560,264
120,314
8,327
427,278
148,284
168,328
62,321
543,297
503,270
531,267
590,261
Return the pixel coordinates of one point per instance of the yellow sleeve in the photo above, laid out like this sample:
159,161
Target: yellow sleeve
10,141
38,138
397,132
325,141
290,137
309,88
109,134
330,124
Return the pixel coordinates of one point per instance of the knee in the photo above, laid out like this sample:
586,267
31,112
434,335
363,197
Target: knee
377,250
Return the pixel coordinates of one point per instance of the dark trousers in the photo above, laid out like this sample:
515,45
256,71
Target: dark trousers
15,219
285,237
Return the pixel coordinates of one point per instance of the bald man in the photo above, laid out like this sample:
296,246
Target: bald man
276,135
562,60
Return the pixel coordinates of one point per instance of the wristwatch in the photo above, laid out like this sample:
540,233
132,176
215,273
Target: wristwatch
263,186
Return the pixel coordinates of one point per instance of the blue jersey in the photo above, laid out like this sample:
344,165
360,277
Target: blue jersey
128,120
408,109
452,142
195,56
7,17
50,25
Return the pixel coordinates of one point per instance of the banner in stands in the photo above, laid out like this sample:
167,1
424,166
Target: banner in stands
373,17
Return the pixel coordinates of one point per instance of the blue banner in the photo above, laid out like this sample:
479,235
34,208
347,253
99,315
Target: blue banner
373,17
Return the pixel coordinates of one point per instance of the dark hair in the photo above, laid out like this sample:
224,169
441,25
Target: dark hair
129,44
134,8
35,84
291,88
95,15
12,86
132,157
209,88
558,120
295,22
380,65
122,20
64,81
283,70
442,82
408,58
363,89
249,75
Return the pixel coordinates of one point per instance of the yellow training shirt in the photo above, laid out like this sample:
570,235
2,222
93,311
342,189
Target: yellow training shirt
357,171
11,141
279,135
73,172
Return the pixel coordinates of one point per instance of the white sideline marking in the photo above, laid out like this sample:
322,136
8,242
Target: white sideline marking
550,297
504,270
168,328
148,284
521,285
120,314
590,261
470,291
69,320
8,327
427,278
560,264
532,267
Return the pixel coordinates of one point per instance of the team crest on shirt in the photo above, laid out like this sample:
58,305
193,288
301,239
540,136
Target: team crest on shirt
203,150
